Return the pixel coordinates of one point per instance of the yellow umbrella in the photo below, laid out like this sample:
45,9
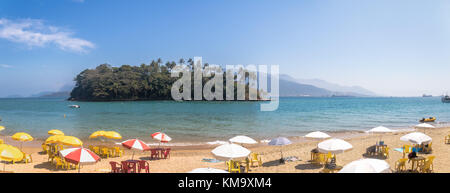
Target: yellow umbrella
10,153
64,140
97,134
2,128
53,139
55,132
112,135
21,136
70,141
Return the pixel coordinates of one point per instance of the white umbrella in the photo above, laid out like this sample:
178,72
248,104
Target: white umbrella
230,151
243,139
207,170
424,126
334,146
366,166
317,135
380,129
416,138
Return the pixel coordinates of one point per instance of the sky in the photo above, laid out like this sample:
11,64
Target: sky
393,48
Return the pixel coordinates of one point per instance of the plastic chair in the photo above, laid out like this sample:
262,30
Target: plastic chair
166,153
27,158
104,152
144,165
154,154
427,167
235,167
255,158
400,165
386,152
406,150
59,163
118,152
447,139
115,167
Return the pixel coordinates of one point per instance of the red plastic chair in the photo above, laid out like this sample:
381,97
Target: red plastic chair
166,153
115,167
154,154
143,165
128,167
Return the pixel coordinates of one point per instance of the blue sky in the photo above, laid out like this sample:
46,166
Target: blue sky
394,48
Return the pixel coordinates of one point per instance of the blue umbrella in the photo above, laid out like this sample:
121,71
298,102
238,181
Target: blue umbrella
280,141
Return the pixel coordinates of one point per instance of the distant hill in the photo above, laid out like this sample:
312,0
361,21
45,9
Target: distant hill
62,94
294,89
335,89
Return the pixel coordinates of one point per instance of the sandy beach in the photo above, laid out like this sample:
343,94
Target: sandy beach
184,159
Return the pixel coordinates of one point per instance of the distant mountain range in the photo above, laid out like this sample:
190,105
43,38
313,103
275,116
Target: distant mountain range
290,86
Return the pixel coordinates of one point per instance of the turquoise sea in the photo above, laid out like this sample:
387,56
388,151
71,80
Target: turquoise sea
201,122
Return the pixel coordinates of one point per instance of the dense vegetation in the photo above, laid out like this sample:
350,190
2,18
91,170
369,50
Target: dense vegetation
144,82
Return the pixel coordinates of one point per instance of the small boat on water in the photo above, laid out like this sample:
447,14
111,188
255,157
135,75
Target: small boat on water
425,120
445,99
74,106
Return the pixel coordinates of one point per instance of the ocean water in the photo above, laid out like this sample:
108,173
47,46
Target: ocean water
200,122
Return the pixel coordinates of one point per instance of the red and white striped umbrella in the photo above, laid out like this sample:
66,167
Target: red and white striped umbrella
79,155
135,144
162,137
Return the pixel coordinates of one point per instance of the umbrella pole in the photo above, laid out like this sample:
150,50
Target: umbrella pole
132,156
79,166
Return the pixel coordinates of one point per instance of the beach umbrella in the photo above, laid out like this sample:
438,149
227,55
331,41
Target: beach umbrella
112,135
79,156
135,144
280,141
161,137
317,135
207,170
53,139
230,151
380,130
97,134
69,141
55,132
416,138
10,153
424,126
334,146
366,166
243,140
22,137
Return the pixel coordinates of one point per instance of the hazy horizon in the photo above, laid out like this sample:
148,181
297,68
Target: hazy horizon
392,48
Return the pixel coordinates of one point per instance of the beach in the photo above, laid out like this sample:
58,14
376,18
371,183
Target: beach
186,158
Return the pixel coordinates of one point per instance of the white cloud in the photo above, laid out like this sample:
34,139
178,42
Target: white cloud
34,33
5,66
